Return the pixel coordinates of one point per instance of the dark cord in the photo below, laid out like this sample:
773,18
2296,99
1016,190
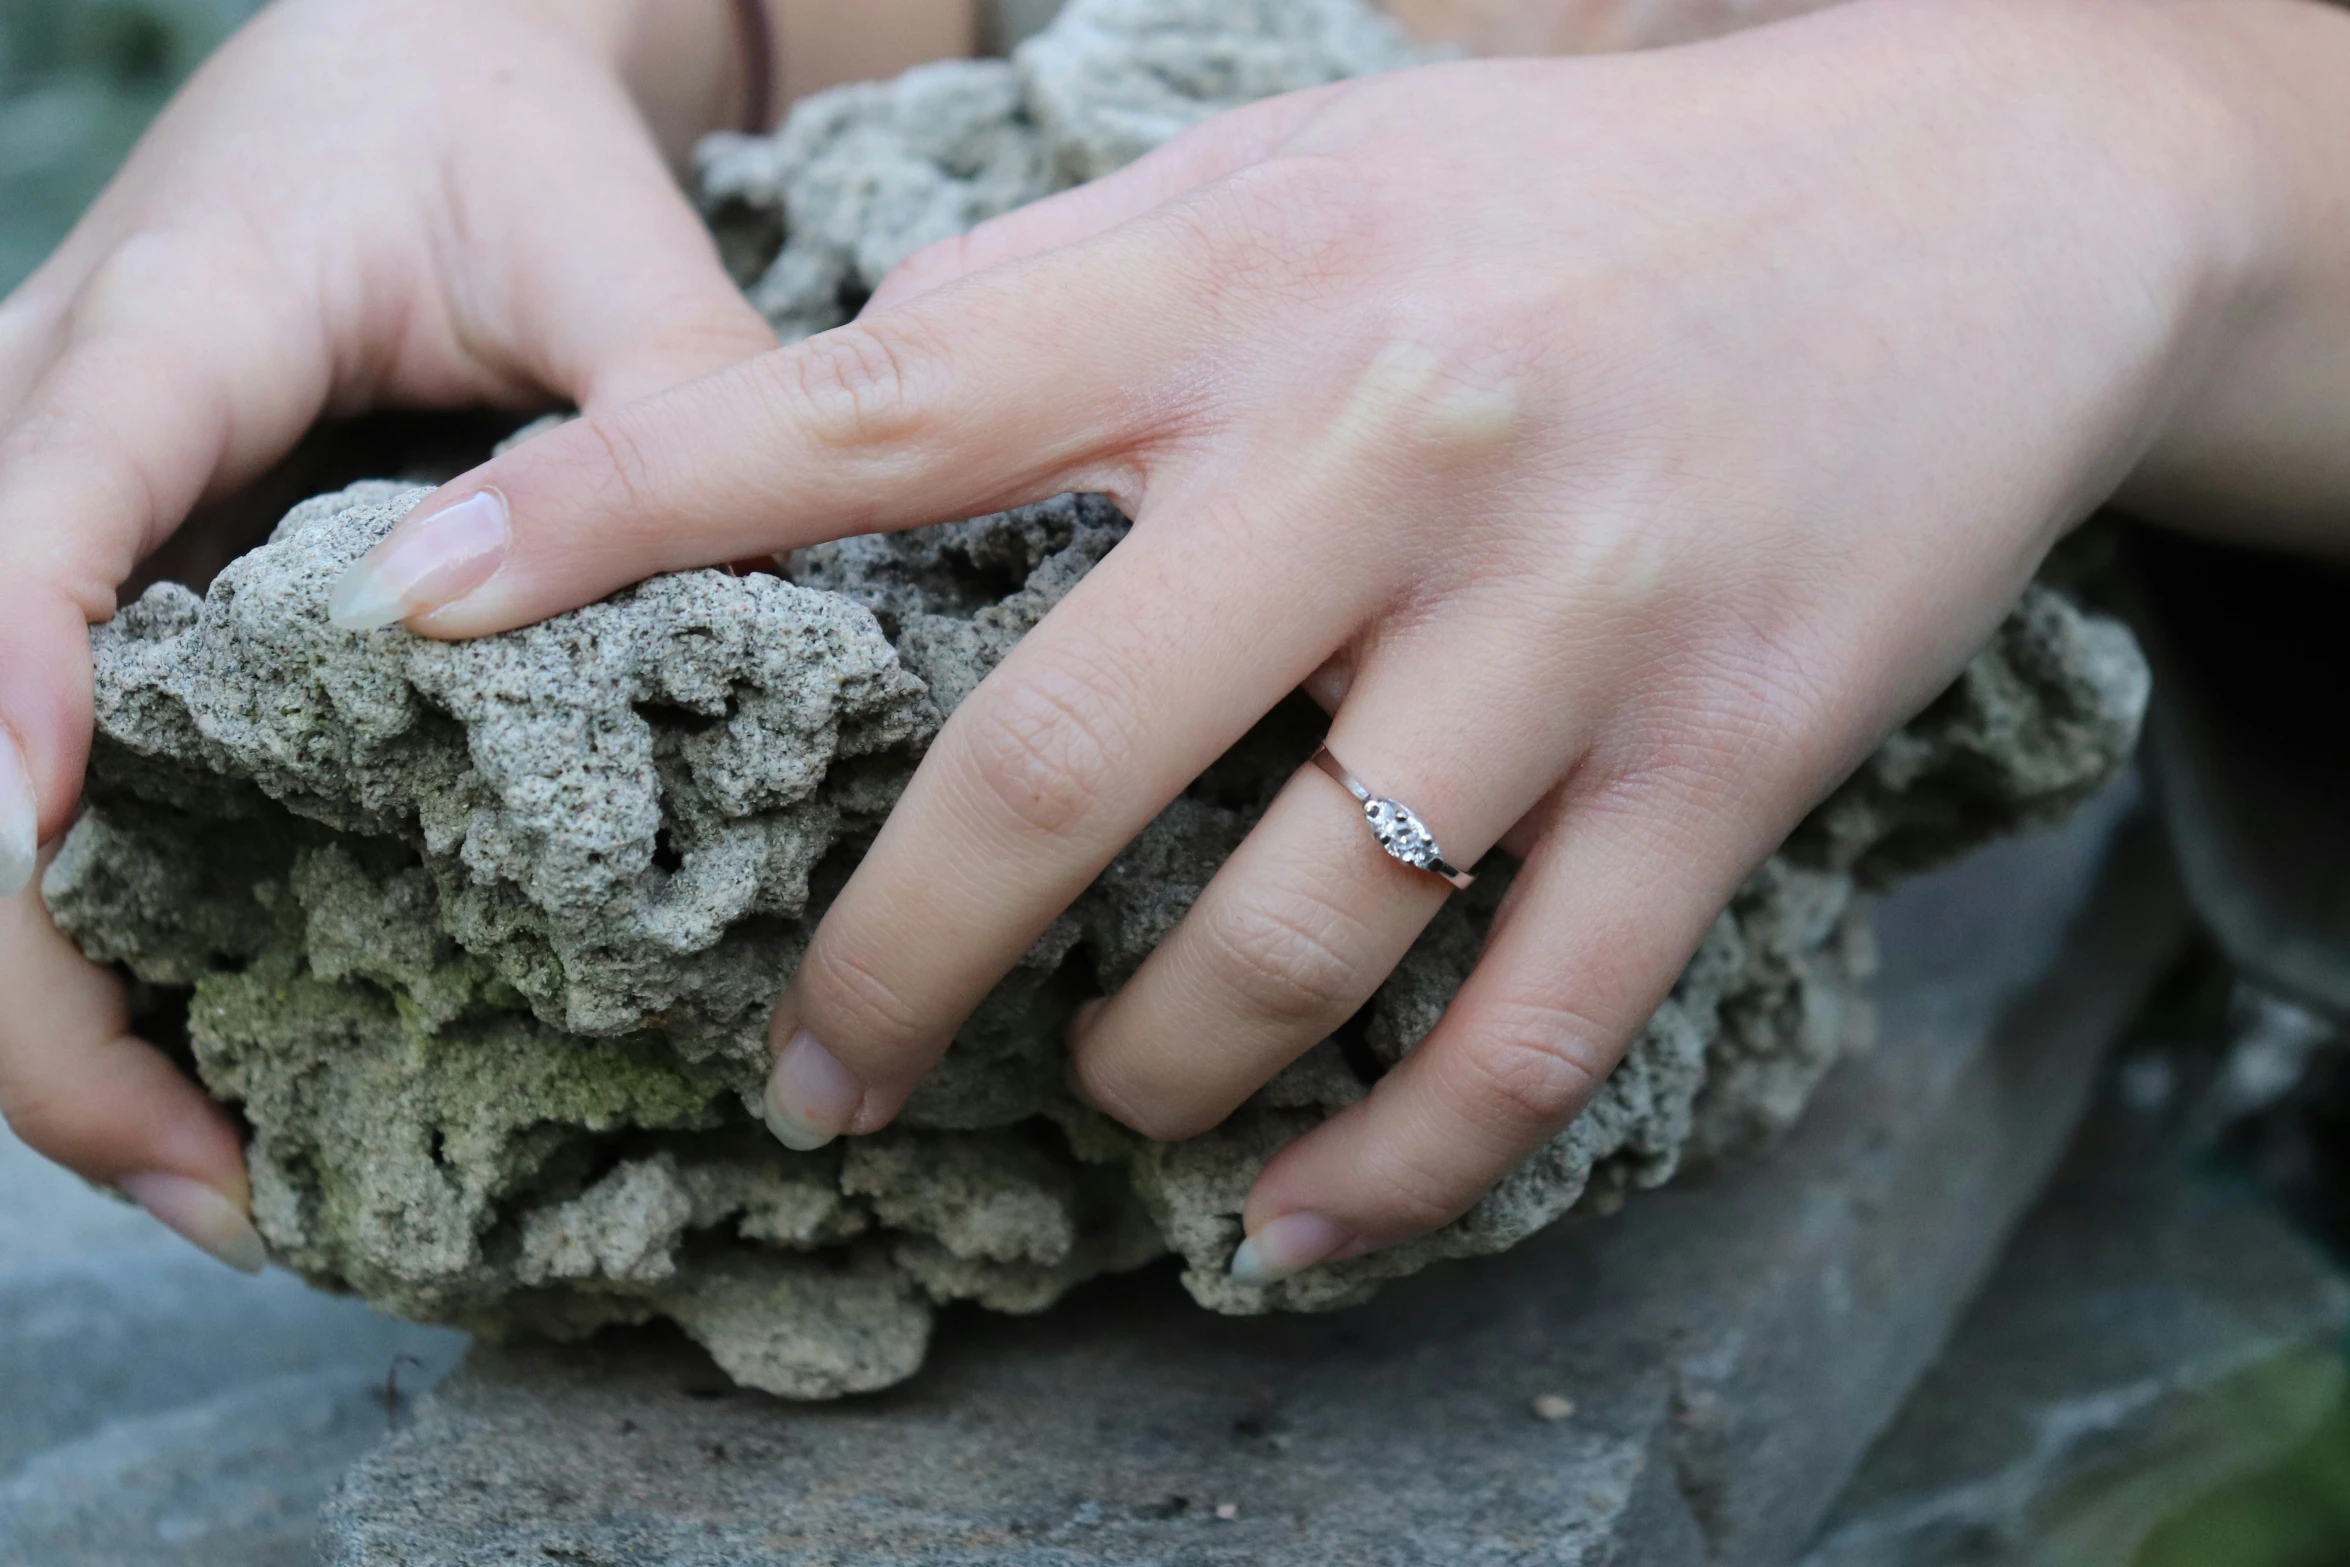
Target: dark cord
756,27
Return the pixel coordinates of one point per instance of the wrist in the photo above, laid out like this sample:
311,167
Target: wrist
678,59
684,61
822,43
2152,225
2256,443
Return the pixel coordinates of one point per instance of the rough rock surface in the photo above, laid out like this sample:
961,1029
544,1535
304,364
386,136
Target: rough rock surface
162,1411
480,938
864,176
2152,1333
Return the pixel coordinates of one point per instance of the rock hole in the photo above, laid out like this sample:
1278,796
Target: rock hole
666,857
673,719
159,1015
1353,1039
993,580
749,239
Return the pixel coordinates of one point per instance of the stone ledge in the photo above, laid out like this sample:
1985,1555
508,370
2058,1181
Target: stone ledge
1730,1349
2153,1332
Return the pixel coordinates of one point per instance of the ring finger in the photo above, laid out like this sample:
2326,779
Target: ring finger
1312,914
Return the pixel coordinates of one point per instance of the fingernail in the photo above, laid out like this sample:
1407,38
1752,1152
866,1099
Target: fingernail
1290,1244
811,1098
201,1216
427,564
20,821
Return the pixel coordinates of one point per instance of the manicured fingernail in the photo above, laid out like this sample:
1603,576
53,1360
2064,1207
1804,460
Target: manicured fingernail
811,1099
201,1216
1290,1244
20,821
427,564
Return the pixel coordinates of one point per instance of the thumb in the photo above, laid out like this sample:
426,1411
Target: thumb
626,298
179,367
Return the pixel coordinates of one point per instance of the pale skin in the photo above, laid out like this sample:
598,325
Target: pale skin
1617,446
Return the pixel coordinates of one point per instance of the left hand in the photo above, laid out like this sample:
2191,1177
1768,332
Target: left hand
1620,447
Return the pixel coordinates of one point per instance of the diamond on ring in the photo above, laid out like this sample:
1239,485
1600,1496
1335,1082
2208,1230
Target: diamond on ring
1396,825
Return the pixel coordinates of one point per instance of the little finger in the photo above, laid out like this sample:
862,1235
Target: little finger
1599,925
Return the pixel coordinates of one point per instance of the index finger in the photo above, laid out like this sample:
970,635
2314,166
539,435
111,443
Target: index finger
1025,381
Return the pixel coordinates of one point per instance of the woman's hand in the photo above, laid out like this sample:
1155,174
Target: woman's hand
357,203
1619,447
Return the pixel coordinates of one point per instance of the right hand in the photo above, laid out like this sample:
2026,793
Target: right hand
355,204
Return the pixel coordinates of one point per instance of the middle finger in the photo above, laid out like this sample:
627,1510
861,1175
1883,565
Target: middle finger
1158,662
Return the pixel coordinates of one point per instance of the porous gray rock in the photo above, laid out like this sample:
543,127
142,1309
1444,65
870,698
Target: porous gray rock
481,937
862,177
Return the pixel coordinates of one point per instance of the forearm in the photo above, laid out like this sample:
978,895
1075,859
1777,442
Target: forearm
1548,27
685,61
2257,446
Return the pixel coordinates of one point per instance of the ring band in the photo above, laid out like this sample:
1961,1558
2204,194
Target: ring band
1396,825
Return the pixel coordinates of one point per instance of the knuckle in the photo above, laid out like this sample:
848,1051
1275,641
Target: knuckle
860,385
709,333
943,260
142,278
62,440
1046,749
26,327
857,999
630,473
1293,221
1744,714
45,1118
1288,957
1411,1196
22,1106
121,286
1534,1064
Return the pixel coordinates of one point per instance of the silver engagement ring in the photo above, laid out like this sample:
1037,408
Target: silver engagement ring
1397,827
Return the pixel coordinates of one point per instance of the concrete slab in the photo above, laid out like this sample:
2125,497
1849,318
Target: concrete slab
158,1410
2152,1333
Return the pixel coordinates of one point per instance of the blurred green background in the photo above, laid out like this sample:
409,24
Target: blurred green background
79,80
